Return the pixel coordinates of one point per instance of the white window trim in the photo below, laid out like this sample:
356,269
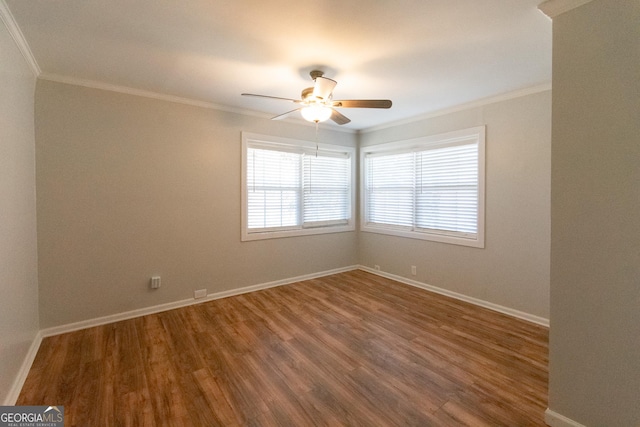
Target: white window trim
293,145
417,143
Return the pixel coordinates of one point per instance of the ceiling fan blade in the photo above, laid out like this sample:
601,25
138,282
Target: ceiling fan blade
323,87
362,103
284,115
339,118
271,97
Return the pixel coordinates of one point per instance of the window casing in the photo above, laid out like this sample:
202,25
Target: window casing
292,188
429,188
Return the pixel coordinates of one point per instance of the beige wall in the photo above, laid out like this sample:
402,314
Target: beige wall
130,187
18,256
513,268
595,239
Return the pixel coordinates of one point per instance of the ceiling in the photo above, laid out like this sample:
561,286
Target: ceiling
425,55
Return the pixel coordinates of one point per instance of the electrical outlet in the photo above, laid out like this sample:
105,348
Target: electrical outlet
377,267
155,282
413,270
200,293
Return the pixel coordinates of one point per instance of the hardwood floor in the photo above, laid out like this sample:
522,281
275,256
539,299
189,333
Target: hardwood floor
348,349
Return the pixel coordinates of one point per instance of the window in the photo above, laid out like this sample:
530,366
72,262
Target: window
428,188
293,188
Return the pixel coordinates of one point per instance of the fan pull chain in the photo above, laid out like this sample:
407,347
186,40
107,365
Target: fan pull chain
316,140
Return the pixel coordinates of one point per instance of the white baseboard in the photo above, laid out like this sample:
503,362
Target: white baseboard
21,377
486,304
57,330
554,419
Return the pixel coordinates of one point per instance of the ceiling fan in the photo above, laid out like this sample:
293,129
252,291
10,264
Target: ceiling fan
317,104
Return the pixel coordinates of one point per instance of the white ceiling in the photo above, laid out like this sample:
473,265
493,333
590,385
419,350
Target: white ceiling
425,55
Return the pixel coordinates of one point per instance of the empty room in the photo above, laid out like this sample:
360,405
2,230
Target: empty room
320,213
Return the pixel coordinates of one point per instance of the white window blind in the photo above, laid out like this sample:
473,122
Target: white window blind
390,189
429,189
447,189
292,188
327,194
273,192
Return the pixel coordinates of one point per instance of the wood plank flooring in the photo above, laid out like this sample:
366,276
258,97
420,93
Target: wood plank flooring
351,349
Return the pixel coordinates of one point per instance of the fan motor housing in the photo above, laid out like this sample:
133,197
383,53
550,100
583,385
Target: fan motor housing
306,93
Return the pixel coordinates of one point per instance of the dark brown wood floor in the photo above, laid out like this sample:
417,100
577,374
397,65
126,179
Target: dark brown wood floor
349,349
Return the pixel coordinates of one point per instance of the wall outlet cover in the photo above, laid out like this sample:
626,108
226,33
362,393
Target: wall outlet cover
155,282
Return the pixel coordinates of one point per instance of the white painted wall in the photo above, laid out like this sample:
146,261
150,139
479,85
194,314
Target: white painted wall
131,187
595,200
513,269
18,254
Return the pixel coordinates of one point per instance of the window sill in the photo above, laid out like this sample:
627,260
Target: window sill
477,242
247,236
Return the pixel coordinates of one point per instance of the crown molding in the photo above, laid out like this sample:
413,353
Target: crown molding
94,84
553,8
466,106
18,38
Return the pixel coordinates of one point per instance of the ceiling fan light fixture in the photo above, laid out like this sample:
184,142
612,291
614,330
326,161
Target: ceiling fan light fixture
317,104
316,113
